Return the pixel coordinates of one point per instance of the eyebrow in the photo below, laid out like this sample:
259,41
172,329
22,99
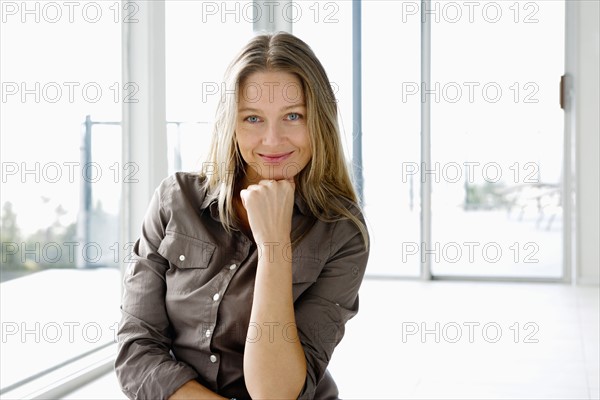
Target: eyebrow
283,109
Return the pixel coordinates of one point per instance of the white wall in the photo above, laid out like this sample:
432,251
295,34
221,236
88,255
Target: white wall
587,87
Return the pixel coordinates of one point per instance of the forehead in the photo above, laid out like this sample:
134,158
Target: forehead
270,88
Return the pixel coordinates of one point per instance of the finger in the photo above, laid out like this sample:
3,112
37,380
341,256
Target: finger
243,196
266,182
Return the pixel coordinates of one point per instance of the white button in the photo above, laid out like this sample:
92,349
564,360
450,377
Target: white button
207,333
216,297
213,358
232,266
181,257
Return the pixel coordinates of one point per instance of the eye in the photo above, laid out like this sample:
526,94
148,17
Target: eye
294,116
252,119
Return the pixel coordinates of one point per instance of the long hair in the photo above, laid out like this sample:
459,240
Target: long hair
325,183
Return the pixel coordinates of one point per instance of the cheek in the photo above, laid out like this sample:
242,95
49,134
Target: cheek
307,145
306,153
244,144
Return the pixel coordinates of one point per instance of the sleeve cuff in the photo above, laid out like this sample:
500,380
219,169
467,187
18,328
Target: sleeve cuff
164,380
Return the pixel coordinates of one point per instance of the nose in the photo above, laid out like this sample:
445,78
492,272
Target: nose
273,134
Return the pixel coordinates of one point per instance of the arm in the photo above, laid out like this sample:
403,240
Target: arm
323,310
273,367
144,366
192,390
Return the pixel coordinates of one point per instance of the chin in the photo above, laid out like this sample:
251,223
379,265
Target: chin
267,171
276,172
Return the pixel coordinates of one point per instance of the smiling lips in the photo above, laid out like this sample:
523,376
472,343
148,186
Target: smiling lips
275,158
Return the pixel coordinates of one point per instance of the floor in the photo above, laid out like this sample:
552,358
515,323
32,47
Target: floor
461,340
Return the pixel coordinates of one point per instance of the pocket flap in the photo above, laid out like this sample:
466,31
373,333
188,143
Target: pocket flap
186,252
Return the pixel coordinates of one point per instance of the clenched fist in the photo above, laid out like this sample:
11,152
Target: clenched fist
269,205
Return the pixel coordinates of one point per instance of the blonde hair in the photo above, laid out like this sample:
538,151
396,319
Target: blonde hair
325,183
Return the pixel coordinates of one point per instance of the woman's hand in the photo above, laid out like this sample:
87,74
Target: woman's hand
269,205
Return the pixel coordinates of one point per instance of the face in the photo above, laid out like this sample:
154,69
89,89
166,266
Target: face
271,128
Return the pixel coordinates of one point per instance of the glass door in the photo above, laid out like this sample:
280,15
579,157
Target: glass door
497,139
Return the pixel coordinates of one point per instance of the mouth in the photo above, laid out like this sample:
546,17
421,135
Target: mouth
275,158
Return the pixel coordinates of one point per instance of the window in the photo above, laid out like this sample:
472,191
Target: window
194,71
61,176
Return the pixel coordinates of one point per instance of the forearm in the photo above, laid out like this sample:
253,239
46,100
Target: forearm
193,390
274,363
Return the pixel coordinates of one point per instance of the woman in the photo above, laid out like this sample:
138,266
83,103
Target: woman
245,275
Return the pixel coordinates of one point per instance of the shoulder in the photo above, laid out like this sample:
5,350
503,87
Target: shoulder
326,226
349,228
351,206
352,213
181,183
187,187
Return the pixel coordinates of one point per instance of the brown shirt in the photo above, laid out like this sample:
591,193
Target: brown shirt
189,290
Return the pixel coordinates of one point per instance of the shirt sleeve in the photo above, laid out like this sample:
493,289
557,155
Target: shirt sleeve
324,308
144,366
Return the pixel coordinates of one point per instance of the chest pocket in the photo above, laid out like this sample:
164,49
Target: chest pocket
188,258
186,252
